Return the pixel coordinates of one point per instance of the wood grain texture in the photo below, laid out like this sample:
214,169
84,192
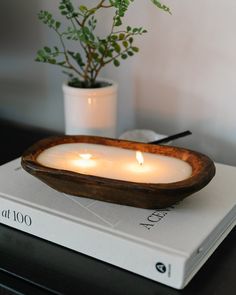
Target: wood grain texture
142,195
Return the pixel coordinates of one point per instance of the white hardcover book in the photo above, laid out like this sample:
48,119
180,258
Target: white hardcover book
168,245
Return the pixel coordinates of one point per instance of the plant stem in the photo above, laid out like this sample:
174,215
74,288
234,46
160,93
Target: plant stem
66,55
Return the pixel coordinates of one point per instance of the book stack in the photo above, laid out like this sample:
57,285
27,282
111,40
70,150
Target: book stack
168,245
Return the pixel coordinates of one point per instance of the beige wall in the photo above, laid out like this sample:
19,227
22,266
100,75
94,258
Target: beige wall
183,77
185,74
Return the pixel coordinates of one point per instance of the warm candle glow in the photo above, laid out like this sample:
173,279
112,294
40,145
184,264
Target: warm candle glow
84,161
137,168
139,157
115,163
85,156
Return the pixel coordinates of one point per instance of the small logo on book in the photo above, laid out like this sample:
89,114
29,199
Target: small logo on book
161,267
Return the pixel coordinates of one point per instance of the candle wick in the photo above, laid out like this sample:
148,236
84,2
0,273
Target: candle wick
139,157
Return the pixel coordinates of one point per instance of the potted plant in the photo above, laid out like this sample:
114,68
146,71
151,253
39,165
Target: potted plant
90,102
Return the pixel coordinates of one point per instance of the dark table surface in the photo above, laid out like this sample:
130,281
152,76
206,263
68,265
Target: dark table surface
29,265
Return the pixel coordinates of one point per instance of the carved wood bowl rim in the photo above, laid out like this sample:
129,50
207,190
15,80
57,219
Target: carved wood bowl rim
203,168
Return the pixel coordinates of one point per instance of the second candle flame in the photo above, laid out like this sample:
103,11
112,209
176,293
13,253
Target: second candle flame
139,157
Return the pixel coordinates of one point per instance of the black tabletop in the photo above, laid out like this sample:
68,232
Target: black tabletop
29,265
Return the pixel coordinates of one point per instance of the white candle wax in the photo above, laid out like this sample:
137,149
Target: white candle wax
114,163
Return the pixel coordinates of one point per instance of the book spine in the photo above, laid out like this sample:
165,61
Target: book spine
148,261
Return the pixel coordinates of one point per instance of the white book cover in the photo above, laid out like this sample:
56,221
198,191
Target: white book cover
168,245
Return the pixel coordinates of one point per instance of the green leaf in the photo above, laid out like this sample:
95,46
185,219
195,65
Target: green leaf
52,61
118,22
161,6
62,63
125,44
116,47
92,11
109,53
39,59
83,8
47,49
95,55
77,57
121,36
135,49
101,49
116,63
41,53
114,37
57,25
124,56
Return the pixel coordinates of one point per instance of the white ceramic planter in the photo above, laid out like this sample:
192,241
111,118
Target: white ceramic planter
91,111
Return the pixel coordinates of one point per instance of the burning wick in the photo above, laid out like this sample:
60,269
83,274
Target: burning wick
84,161
85,156
139,157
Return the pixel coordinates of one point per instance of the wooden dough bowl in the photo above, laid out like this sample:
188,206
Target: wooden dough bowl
142,195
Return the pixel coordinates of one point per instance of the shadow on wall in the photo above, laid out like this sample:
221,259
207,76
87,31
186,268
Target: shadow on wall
158,105
169,110
218,149
18,29
22,81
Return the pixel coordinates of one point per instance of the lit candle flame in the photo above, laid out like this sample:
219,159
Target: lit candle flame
85,156
84,161
139,157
